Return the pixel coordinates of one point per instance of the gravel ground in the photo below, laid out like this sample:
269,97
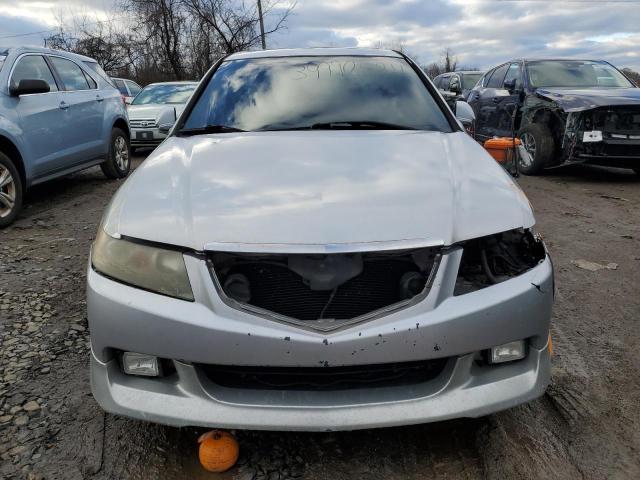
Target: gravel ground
586,426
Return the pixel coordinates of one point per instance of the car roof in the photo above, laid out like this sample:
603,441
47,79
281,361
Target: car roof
177,82
464,72
62,53
319,52
552,59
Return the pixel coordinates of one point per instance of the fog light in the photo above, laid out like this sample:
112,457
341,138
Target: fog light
140,364
508,352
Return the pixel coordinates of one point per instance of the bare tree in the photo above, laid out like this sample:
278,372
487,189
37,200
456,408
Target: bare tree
233,26
161,24
449,62
100,40
433,70
156,40
632,75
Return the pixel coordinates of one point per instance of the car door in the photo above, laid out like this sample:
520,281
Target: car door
474,100
84,139
507,100
486,103
41,116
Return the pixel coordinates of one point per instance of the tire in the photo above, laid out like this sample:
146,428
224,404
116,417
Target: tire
539,142
10,191
118,161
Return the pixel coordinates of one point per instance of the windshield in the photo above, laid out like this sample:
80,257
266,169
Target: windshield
301,92
165,93
575,73
469,80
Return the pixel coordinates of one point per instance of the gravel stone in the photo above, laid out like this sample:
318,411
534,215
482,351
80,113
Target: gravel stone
31,406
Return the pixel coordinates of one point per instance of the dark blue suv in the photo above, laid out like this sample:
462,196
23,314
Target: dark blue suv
564,111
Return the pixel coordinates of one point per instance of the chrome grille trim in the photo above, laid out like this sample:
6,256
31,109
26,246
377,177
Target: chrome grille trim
143,123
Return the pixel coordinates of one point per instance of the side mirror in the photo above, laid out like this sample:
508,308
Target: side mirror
128,100
167,120
28,86
510,85
464,114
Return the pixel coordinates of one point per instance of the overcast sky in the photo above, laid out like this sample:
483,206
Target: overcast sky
481,33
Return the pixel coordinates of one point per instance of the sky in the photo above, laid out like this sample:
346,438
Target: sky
480,33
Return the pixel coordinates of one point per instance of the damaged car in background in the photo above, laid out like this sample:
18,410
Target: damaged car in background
564,111
318,245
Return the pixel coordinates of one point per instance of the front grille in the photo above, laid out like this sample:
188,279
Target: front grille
143,123
614,120
367,282
324,378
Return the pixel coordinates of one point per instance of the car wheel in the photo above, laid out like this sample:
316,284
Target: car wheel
118,162
538,141
10,191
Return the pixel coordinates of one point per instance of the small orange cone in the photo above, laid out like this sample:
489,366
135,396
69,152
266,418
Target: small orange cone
218,451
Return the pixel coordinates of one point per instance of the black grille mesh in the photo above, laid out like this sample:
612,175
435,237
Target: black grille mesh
324,378
276,288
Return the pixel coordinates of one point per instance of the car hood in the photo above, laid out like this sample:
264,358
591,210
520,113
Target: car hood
151,111
262,189
579,99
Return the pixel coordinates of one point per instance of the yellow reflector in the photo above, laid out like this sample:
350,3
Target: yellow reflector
550,345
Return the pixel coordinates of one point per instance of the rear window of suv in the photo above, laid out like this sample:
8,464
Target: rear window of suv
98,69
120,86
302,92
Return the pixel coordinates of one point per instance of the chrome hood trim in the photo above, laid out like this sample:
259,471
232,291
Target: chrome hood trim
310,248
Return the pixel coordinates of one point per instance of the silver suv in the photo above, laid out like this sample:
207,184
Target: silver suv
59,113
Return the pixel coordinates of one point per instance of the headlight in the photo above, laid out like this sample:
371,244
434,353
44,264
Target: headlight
151,268
496,258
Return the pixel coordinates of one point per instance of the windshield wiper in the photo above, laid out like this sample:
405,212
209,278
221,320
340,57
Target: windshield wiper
360,124
349,125
209,129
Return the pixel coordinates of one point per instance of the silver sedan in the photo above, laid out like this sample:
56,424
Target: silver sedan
318,245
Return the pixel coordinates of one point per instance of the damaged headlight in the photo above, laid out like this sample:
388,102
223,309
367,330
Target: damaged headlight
144,266
496,258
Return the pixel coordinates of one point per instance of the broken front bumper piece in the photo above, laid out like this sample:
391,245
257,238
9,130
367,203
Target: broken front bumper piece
448,335
606,136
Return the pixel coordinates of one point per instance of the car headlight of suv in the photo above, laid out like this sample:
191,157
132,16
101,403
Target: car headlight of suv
148,267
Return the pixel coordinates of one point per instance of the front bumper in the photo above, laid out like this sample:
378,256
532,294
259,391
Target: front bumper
465,390
208,331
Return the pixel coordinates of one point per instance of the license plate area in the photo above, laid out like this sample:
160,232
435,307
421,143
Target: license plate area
144,135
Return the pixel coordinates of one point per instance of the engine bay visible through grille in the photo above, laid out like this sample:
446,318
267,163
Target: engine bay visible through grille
324,291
